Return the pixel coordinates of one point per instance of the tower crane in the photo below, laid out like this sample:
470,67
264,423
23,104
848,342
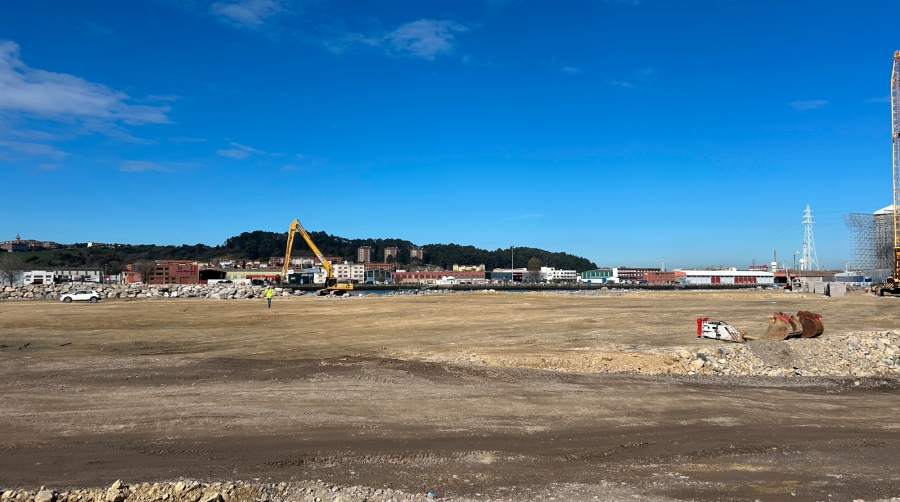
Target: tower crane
892,284
332,286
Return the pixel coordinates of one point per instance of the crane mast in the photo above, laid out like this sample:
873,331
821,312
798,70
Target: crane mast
895,144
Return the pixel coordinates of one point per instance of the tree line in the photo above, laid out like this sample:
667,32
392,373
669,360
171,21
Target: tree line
262,245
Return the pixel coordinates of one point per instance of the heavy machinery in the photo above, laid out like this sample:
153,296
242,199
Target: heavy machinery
332,286
892,284
781,327
718,330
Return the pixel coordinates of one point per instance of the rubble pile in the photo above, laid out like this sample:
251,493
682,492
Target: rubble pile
860,354
857,354
193,491
215,291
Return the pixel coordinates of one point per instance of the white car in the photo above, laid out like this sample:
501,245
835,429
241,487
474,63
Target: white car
82,295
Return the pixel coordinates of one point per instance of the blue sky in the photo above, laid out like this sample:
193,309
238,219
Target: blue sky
623,131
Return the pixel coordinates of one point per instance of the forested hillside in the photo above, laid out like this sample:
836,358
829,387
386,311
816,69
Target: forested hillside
261,245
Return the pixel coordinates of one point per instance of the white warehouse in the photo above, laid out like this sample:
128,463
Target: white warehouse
727,276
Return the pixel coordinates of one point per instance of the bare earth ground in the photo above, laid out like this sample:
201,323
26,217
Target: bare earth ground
440,393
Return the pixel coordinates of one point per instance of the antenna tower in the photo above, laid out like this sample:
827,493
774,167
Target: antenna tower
810,260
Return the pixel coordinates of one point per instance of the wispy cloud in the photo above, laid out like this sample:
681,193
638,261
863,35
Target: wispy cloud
571,70
34,149
163,97
809,105
49,167
137,166
186,139
425,38
621,83
245,13
883,99
239,151
60,96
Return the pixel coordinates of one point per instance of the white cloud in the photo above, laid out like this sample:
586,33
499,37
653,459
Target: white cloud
425,38
163,97
809,105
883,99
49,166
239,151
60,96
245,13
136,166
186,139
35,149
571,70
620,83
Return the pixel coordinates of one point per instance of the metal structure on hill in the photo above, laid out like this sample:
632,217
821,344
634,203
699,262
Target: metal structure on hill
809,261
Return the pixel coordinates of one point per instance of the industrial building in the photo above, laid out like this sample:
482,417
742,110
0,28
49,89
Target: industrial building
599,276
175,272
727,276
884,237
435,276
872,239
632,273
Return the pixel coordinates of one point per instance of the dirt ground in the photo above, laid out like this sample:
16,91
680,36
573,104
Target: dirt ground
441,393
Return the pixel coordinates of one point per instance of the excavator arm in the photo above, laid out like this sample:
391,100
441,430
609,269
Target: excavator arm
331,284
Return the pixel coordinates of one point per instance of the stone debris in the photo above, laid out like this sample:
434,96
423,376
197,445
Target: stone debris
232,491
144,291
861,354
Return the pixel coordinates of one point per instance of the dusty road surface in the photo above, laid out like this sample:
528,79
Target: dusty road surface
392,391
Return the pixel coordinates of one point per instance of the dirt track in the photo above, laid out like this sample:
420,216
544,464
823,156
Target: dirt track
380,391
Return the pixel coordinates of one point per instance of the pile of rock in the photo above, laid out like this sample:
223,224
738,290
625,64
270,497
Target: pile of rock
858,354
215,291
193,491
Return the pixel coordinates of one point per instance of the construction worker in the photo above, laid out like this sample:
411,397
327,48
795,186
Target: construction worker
270,292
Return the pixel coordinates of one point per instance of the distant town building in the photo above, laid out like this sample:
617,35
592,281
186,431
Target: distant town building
727,276
77,275
37,277
417,252
379,266
175,272
599,276
551,274
675,276
352,271
391,251
15,245
364,254
632,273
468,268
438,277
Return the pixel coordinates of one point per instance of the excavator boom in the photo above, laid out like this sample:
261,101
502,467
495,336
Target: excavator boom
332,286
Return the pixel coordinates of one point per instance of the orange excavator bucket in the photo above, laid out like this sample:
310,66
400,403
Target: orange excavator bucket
811,323
781,327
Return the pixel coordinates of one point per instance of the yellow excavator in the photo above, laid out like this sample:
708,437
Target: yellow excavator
332,286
